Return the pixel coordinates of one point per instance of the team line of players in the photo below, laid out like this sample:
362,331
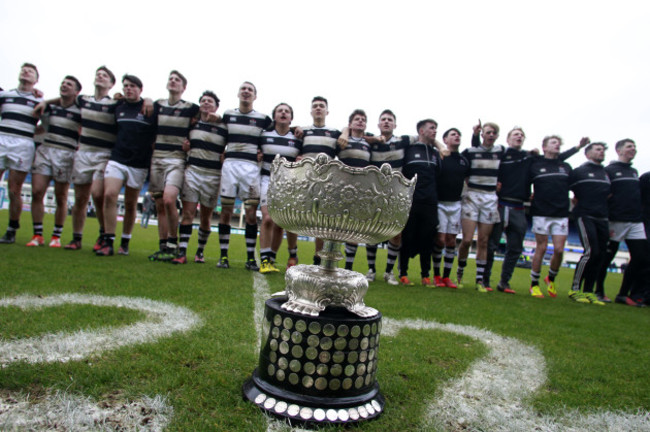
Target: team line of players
102,144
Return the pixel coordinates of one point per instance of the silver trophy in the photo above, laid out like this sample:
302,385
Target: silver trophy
319,365
335,202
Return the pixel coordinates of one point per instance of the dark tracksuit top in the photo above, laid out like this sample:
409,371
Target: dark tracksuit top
625,202
551,180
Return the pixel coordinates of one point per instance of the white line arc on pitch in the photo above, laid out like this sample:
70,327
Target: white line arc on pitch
163,319
493,393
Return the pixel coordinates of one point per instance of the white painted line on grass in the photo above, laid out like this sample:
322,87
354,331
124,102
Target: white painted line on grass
65,412
260,295
494,393
163,319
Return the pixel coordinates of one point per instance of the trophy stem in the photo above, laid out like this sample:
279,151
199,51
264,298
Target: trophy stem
331,254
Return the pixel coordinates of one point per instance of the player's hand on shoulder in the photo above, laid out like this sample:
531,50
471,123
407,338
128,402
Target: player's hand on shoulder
39,109
147,107
214,118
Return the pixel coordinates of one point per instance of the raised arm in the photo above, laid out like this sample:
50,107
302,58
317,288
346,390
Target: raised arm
575,149
476,135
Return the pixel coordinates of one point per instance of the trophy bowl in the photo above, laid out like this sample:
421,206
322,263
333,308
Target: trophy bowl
327,199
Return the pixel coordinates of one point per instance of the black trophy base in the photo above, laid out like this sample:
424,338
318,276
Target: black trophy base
317,370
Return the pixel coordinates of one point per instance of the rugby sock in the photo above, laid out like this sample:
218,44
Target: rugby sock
162,244
317,260
77,236
534,278
551,274
58,230
124,241
251,240
224,239
371,254
172,244
203,239
273,255
461,268
108,239
437,256
185,231
391,257
480,269
13,225
450,253
265,253
403,264
38,228
350,252
293,253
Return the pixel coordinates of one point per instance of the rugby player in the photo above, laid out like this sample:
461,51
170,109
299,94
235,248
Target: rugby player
241,173
550,210
453,172
128,164
390,150
175,117
479,207
626,224
17,128
280,141
421,159
591,187
318,138
206,144
54,159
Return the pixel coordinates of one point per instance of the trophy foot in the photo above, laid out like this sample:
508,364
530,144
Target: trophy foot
363,311
302,308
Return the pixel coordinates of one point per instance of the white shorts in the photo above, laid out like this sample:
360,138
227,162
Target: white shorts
89,165
550,225
264,189
16,153
480,207
619,231
449,217
240,179
134,177
201,188
166,172
54,162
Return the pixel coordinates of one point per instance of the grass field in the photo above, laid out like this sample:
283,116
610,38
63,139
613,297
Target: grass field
594,359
